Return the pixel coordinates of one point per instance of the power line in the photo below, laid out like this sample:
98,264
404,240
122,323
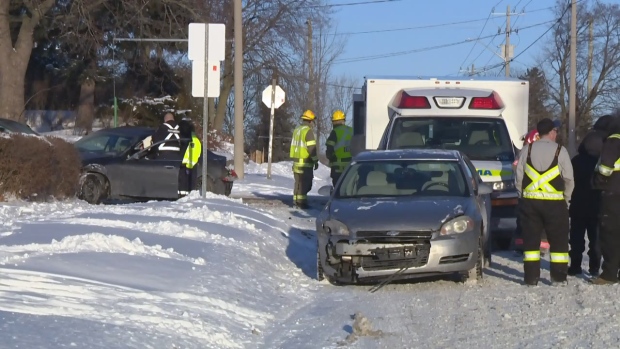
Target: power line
354,3
558,21
480,34
400,53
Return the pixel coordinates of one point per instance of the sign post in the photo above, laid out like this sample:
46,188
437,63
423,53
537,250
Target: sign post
206,53
273,96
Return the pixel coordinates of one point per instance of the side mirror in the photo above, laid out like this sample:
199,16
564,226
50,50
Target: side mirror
326,190
484,189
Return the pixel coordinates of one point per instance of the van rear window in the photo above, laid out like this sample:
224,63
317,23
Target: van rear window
478,138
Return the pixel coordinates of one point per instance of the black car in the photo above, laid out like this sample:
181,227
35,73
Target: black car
11,126
115,166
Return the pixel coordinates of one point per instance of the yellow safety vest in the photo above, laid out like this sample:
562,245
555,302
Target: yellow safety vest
342,147
546,185
299,149
192,153
608,171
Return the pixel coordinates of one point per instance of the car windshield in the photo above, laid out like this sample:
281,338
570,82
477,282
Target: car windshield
403,178
479,138
105,143
15,127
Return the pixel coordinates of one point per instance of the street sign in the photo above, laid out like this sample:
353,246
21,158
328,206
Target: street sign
198,80
279,97
196,42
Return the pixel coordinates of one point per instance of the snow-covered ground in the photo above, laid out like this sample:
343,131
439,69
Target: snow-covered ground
217,273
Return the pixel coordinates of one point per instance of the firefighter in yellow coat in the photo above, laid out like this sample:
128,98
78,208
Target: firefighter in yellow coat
338,146
305,159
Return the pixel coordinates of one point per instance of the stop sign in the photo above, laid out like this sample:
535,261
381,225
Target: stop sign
279,100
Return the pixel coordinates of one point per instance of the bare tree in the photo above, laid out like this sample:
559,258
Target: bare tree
18,20
603,66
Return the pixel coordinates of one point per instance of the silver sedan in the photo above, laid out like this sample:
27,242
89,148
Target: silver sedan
404,213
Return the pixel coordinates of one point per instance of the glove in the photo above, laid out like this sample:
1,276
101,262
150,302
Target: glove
316,165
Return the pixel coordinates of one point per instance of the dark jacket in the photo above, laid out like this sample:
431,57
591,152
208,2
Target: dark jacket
604,178
585,199
168,129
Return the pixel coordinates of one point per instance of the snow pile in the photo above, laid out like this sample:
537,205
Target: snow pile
196,273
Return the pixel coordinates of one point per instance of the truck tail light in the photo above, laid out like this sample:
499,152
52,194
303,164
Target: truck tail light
413,102
491,102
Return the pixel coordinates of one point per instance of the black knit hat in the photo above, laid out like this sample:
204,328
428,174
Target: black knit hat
545,126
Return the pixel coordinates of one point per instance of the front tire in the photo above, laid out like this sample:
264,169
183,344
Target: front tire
475,274
93,188
319,268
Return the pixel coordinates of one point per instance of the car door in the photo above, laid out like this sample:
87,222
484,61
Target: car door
150,178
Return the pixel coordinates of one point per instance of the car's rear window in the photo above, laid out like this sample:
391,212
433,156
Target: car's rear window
403,178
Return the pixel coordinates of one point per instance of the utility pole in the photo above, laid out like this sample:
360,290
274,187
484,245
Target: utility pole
274,82
473,71
311,98
572,89
238,77
590,60
507,48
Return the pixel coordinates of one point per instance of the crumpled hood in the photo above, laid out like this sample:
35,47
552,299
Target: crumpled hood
405,214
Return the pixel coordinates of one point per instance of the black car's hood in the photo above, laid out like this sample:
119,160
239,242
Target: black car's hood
403,214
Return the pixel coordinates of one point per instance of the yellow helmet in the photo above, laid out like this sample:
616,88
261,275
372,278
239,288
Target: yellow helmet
338,115
308,115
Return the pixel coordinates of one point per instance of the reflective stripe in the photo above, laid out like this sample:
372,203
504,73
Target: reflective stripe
559,257
531,256
540,188
299,147
299,197
606,170
309,143
172,131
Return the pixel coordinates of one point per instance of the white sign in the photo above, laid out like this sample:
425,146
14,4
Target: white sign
279,97
196,42
198,79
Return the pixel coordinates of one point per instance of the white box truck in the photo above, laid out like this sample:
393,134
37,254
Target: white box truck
484,118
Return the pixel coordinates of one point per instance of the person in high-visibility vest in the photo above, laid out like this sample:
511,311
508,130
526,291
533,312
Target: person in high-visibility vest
545,184
338,146
191,149
607,179
305,159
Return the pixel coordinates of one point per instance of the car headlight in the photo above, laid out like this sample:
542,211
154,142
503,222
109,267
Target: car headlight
334,227
459,225
504,185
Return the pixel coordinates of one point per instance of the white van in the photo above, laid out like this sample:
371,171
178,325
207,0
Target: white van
484,118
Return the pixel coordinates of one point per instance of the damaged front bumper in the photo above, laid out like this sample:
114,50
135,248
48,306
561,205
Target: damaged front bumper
346,260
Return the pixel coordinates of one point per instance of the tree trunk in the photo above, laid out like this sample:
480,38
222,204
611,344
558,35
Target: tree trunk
86,109
12,85
15,57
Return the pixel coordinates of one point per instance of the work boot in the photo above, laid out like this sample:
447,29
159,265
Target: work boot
599,281
302,205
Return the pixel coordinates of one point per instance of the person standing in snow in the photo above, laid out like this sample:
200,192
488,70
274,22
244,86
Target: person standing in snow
607,179
338,146
192,149
528,138
585,201
545,184
305,159
168,131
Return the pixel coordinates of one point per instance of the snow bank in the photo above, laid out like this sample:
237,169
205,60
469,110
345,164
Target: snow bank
196,273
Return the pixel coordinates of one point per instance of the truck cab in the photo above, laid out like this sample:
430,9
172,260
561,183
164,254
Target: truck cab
472,116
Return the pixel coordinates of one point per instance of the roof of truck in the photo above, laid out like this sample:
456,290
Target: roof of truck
429,77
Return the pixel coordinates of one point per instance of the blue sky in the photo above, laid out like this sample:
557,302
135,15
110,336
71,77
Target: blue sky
439,13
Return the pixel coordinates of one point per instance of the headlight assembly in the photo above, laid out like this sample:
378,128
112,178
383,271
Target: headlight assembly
458,225
504,185
334,227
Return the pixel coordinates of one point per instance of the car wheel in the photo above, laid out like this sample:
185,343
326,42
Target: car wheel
93,189
228,188
319,268
475,274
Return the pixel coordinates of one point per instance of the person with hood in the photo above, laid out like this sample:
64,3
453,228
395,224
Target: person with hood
607,179
584,208
191,148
